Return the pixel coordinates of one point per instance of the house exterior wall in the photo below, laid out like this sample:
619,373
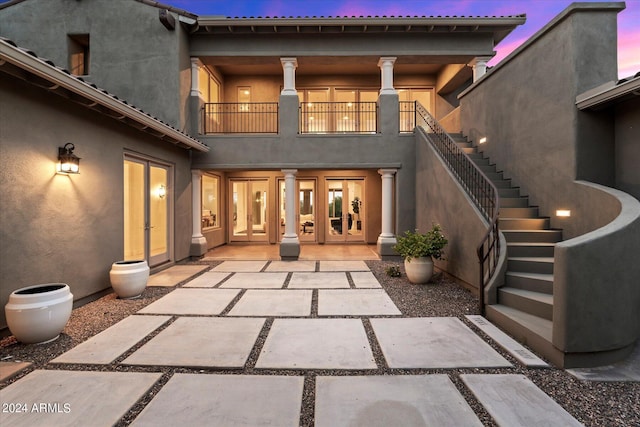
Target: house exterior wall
627,132
57,228
131,53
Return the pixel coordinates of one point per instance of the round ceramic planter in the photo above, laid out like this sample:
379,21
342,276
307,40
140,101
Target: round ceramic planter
129,278
37,314
419,270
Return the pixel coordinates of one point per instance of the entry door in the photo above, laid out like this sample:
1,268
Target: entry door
147,211
306,224
249,212
345,210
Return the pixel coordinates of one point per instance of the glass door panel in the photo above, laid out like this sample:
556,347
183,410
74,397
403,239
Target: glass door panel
334,211
158,215
259,210
345,210
306,210
249,210
134,210
240,214
355,214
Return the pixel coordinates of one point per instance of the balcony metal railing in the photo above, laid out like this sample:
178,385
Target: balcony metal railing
407,116
233,117
338,117
480,188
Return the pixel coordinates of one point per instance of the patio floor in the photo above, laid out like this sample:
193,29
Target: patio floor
247,353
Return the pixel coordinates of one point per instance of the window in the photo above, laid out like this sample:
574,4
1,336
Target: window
210,201
78,54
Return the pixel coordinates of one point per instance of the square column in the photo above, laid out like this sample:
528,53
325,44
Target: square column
290,245
289,66
387,238
386,70
198,241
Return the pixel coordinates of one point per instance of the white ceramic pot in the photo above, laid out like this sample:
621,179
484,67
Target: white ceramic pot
37,314
419,270
129,278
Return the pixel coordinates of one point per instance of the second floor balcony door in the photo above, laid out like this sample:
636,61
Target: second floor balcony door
249,211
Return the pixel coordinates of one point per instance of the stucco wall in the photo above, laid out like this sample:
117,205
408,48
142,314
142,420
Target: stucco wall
57,228
132,55
440,199
627,131
535,134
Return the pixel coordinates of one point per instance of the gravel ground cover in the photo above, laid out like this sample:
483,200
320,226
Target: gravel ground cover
592,403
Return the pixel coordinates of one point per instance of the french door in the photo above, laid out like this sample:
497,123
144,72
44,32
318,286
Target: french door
147,210
345,210
305,209
249,210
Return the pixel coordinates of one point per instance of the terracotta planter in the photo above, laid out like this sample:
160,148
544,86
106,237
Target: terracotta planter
419,270
129,278
37,314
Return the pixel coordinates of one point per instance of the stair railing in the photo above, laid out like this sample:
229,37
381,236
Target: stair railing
477,185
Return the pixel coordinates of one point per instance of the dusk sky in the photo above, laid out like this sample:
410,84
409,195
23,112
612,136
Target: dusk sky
539,13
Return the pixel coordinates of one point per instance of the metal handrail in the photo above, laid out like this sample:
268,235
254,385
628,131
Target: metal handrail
477,185
338,117
240,117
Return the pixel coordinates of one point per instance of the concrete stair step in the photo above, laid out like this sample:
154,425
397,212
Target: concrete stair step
481,161
494,176
528,329
525,249
524,223
532,236
476,155
528,212
514,202
469,150
509,192
488,168
536,303
536,282
541,265
502,183
463,144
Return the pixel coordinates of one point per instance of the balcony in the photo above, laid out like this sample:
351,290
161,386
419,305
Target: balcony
233,117
339,118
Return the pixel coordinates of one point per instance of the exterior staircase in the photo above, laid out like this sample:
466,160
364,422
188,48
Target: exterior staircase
525,302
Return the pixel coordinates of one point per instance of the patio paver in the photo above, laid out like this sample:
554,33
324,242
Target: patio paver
174,275
79,398
105,347
317,344
256,281
225,400
274,302
214,342
365,401
365,279
433,342
331,280
355,302
513,401
9,370
344,266
287,266
240,266
207,280
192,301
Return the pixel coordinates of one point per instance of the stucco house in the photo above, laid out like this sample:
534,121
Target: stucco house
201,131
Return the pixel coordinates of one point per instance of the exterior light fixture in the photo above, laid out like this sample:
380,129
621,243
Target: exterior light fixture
482,140
162,191
565,213
67,161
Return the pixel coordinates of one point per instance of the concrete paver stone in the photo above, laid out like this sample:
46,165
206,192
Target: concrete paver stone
174,275
355,302
274,302
317,344
225,400
365,279
370,401
213,342
192,301
74,398
331,280
207,280
290,266
433,342
240,266
513,401
255,281
344,266
105,347
9,370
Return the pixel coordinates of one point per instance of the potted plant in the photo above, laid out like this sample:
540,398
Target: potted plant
129,278
419,250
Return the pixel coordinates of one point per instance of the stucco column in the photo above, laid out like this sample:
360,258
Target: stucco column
198,241
387,238
196,118
386,70
479,65
290,245
195,84
289,66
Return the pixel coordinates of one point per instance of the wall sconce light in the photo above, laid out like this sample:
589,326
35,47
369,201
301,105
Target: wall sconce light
67,161
162,191
482,140
565,213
